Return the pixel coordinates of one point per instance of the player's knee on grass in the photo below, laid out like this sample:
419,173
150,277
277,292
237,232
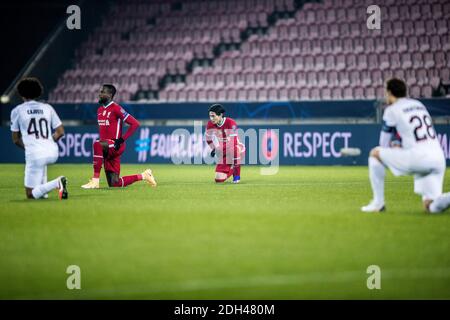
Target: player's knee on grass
426,205
29,193
221,177
113,179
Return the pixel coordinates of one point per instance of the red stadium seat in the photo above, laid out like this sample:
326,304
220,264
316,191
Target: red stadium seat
324,38
336,94
414,92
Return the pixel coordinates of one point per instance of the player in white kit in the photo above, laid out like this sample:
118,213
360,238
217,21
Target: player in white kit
32,123
420,153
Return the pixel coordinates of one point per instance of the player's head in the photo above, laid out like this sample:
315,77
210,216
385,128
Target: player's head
395,89
216,112
30,88
107,93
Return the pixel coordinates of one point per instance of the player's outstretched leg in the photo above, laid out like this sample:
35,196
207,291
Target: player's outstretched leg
41,190
44,180
377,173
441,203
121,182
114,180
98,149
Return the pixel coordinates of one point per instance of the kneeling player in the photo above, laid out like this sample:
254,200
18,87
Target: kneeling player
111,144
420,153
31,125
221,136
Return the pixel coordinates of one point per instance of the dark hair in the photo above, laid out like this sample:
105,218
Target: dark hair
110,88
217,109
397,87
30,88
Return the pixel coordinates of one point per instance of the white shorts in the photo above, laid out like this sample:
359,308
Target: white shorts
36,170
426,164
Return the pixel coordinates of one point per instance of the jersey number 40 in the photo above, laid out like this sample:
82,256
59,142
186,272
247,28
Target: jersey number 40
39,128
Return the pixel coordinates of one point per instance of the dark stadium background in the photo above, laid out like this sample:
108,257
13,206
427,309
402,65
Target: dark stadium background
24,25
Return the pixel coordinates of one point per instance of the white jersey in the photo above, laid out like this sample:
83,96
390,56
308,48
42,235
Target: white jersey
36,121
413,123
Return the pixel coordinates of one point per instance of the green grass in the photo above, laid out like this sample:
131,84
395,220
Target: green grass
295,235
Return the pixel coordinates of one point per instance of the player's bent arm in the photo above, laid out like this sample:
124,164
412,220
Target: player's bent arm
210,143
209,137
59,132
385,139
17,139
386,134
133,126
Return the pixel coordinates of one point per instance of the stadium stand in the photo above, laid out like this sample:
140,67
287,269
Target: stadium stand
259,50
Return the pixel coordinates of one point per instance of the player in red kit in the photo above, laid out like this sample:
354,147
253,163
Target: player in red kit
111,144
222,137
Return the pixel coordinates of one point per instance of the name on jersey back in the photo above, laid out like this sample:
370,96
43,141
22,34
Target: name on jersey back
35,111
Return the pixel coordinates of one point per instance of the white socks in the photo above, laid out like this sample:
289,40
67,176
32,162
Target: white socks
44,180
43,189
376,175
441,203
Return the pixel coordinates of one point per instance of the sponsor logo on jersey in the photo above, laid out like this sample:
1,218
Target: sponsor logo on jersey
103,122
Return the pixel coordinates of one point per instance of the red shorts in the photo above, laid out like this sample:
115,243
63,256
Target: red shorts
112,159
225,167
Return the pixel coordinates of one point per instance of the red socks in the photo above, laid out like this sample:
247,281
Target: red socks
237,171
98,158
127,180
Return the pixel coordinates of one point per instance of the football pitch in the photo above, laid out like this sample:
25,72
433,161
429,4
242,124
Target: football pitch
298,234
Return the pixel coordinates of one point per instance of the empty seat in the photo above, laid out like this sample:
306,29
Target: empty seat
321,52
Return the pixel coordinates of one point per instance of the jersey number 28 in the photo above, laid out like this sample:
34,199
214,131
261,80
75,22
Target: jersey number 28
423,134
39,128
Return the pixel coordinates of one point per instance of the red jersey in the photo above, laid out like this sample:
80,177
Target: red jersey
221,135
110,121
